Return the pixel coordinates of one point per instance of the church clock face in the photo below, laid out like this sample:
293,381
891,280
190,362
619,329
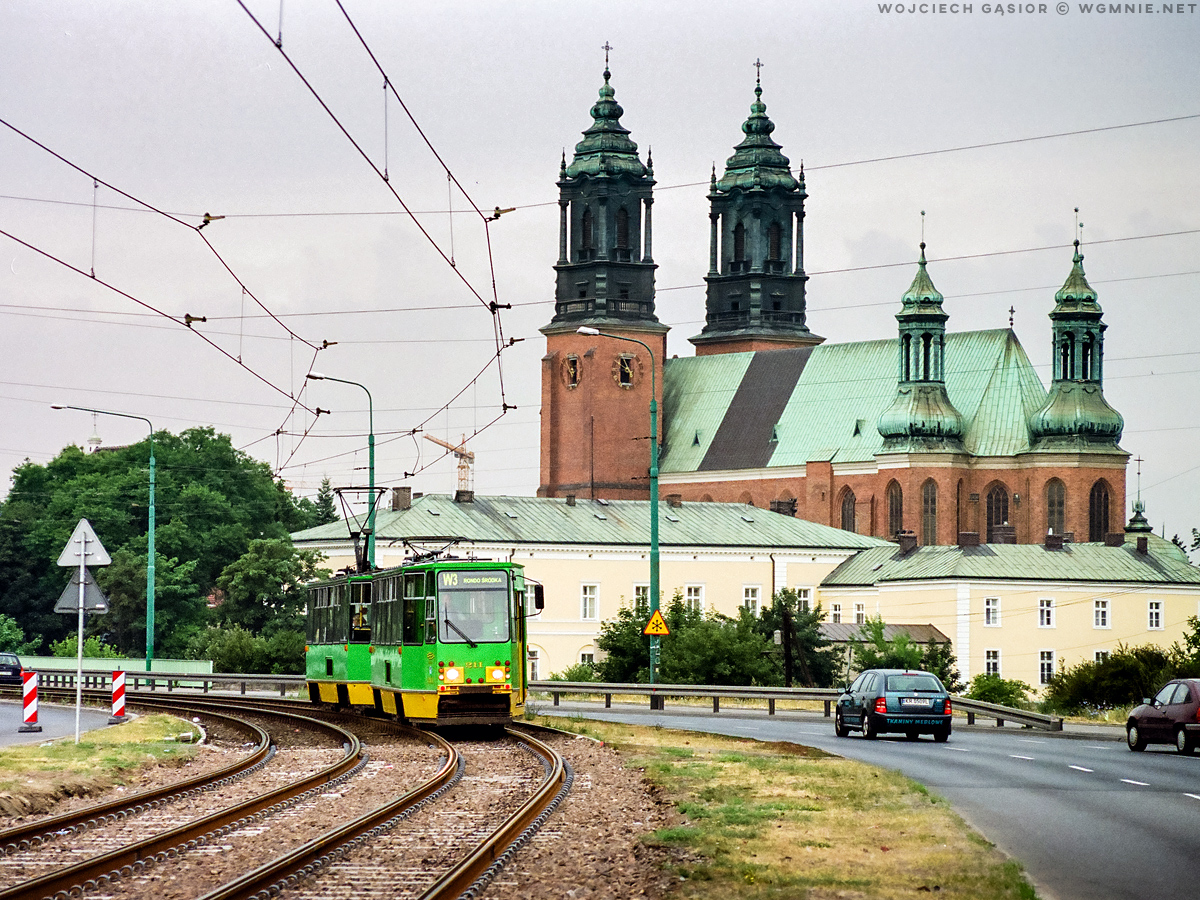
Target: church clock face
627,371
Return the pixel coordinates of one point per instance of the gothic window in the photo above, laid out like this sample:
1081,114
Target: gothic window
1085,359
1098,512
622,229
1056,506
997,510
906,353
929,513
775,241
958,509
1067,357
739,242
895,509
585,245
926,348
848,511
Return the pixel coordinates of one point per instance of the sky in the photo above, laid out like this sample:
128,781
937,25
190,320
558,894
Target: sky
191,108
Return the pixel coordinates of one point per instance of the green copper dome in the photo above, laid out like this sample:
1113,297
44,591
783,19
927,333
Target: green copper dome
922,297
757,162
606,148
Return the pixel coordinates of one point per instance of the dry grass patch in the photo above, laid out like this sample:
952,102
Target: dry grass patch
34,777
772,820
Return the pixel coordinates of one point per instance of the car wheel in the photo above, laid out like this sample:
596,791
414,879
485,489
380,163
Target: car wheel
839,726
1183,742
869,731
1134,737
942,735
912,735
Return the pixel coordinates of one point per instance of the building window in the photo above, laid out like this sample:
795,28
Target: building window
895,508
991,611
622,229
1098,512
693,597
860,614
751,599
532,659
587,658
775,242
571,371
1101,655
997,510
835,613
848,511
991,662
1045,666
589,595
1056,506
1154,615
585,245
641,599
804,598
1046,612
929,513
1100,614
739,242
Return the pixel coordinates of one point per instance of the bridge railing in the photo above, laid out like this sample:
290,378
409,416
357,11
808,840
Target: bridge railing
658,694
100,679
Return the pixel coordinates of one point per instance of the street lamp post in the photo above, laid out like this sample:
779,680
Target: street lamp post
316,376
655,640
149,529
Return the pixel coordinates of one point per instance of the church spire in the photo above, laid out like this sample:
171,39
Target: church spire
922,416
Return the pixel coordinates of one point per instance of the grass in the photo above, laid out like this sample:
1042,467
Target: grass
35,776
779,820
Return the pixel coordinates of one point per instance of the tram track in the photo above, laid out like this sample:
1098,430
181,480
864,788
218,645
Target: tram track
451,814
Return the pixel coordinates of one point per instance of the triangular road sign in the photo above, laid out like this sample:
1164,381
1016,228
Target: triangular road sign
94,600
657,626
84,537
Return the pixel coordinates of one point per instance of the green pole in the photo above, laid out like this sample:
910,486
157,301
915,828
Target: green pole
655,640
315,376
149,528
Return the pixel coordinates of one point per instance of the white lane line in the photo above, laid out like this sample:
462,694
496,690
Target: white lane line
1193,796
1029,741
959,749
1081,769
1138,783
1014,756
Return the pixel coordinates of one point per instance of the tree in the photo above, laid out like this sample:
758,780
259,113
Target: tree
938,657
12,638
263,589
326,509
814,662
994,689
93,648
874,651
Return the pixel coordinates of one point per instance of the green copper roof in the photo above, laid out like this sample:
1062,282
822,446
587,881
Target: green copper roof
606,148
921,296
1076,292
545,520
1163,564
836,403
757,161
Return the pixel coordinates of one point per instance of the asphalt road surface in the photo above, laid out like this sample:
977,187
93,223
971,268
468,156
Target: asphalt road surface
56,721
1088,819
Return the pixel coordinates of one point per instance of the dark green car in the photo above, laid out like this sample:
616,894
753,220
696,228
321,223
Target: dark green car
879,701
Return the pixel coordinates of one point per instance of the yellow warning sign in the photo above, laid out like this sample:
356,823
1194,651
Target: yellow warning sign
657,626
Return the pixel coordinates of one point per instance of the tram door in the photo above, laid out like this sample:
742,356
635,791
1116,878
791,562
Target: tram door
412,654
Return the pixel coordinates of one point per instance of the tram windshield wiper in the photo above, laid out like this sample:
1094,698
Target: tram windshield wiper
461,633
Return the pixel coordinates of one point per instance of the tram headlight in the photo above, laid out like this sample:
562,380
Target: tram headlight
496,674
452,675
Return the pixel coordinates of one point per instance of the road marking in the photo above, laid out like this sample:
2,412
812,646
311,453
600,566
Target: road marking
1029,741
1193,796
1138,783
959,749
1014,756
1081,769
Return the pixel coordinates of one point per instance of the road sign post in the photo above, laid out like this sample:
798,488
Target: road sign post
83,549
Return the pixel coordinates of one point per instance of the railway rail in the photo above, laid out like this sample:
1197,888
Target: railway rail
414,818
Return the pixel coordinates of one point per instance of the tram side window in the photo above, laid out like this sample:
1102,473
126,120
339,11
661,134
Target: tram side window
431,618
414,608
360,611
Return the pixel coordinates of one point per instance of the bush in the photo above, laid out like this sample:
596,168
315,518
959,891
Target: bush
1123,679
581,671
93,648
994,689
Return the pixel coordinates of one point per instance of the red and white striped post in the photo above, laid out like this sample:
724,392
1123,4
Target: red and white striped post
118,703
29,686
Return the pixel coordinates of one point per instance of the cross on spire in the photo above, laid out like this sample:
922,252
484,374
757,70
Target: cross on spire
1012,311
1139,462
758,65
606,48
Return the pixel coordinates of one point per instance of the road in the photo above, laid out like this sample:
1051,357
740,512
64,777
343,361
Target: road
56,721
1088,819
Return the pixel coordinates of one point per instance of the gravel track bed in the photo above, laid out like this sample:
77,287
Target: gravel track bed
499,777
591,846
397,764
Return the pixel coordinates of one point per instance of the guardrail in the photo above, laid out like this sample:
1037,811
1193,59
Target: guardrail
99,679
658,694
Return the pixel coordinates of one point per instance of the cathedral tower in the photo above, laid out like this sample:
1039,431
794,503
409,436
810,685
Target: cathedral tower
756,280
596,390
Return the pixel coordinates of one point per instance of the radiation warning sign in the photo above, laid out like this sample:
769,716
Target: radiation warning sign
657,626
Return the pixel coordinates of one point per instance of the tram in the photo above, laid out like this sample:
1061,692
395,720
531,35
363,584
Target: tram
439,641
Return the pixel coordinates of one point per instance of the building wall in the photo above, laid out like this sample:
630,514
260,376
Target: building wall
960,611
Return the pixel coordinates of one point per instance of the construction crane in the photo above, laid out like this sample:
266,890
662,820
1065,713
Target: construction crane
464,456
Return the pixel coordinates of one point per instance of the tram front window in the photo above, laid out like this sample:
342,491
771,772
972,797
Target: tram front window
473,607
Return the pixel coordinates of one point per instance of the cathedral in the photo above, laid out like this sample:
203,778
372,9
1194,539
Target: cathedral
941,437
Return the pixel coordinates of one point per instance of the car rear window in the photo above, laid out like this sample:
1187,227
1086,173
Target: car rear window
913,683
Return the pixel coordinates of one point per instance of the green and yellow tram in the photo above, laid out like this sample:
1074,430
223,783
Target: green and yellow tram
435,642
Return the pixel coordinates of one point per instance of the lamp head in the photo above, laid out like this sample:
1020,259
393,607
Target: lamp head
586,329
315,376
56,406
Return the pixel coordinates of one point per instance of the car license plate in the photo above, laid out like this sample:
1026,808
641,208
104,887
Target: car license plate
914,701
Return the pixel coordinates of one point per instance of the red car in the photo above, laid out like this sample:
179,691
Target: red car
1172,717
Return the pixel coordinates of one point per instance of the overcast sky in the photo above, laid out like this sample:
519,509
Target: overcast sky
189,107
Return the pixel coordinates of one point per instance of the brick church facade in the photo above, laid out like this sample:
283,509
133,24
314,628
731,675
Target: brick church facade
942,435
